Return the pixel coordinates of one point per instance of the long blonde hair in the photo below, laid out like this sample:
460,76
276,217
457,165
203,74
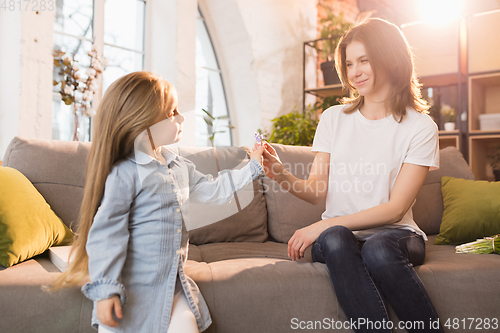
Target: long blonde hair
130,105
388,53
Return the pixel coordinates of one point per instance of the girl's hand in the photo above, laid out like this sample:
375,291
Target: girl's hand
272,163
105,311
257,152
303,238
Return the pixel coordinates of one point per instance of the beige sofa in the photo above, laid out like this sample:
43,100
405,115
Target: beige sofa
240,263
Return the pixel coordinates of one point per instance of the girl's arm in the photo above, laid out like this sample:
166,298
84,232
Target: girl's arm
313,189
405,190
206,190
108,241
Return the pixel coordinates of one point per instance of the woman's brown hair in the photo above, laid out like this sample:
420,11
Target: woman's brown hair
130,105
390,55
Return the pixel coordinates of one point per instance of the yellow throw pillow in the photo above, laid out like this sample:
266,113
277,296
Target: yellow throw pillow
28,226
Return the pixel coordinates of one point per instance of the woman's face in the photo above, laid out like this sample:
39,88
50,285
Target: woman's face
359,70
169,129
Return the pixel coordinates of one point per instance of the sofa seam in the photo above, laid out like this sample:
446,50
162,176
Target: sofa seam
52,183
213,293
81,313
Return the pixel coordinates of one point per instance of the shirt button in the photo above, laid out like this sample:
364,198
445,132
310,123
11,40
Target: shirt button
178,252
178,210
179,231
175,190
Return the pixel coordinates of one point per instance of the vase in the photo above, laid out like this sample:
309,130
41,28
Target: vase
449,126
497,175
80,126
330,75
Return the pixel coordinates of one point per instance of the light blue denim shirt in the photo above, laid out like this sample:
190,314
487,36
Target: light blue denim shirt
138,242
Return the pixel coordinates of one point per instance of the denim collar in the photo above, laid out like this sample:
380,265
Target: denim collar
144,159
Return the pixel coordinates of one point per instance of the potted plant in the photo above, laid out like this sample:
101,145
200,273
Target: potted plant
495,162
324,103
332,29
295,128
448,114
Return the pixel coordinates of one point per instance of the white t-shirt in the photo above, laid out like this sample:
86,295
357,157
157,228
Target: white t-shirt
366,157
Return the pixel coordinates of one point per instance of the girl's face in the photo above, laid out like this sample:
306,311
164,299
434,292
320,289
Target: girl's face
168,129
359,70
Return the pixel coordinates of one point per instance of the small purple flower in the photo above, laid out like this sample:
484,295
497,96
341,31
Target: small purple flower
259,137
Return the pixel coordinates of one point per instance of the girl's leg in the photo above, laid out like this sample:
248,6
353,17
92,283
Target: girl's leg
389,257
182,319
357,293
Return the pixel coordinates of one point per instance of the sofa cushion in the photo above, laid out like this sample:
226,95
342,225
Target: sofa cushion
428,208
28,226
461,285
26,307
264,283
243,219
471,210
287,213
56,169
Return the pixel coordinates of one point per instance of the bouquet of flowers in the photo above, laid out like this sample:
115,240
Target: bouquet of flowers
485,245
76,88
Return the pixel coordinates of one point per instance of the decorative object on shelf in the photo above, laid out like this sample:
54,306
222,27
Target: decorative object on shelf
489,122
332,29
76,89
449,115
495,162
295,128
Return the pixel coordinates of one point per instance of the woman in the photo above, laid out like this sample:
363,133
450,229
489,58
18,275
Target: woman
374,154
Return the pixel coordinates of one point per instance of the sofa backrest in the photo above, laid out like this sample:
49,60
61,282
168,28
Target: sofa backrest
57,170
286,213
428,208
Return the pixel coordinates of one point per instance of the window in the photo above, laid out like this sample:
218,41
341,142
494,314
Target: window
74,31
210,93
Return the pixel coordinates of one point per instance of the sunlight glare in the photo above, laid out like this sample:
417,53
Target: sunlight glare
440,11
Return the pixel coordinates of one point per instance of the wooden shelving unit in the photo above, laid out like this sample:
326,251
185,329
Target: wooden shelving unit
480,146
484,98
449,139
326,91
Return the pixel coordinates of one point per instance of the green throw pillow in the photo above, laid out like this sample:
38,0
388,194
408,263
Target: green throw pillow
28,226
471,210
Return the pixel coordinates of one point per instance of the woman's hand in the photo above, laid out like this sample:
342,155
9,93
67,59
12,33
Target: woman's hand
105,311
272,163
303,238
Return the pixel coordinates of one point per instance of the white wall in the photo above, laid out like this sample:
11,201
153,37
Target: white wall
25,75
258,42
259,47
171,53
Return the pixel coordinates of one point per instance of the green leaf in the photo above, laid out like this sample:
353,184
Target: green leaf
208,122
208,114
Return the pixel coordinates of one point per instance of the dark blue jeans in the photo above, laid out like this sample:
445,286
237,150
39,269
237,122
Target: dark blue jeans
365,274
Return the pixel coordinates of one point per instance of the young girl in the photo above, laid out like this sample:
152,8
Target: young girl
373,155
132,241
